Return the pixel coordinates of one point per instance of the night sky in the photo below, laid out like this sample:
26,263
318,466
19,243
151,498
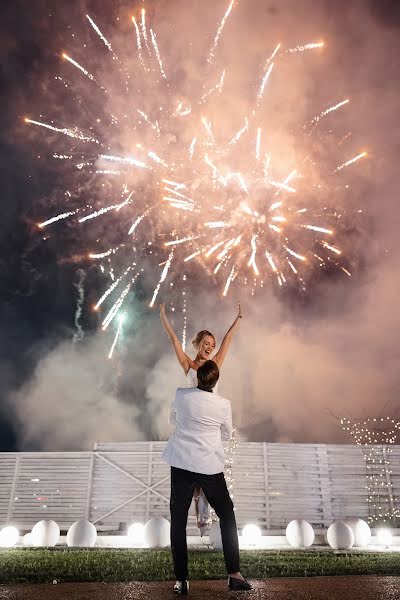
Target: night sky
38,295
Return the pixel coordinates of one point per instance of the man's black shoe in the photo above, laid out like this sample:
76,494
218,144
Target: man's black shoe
238,585
181,588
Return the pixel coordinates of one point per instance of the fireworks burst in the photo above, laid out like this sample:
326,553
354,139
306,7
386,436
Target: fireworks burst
183,193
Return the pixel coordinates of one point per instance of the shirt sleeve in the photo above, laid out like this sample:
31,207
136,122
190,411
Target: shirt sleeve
227,427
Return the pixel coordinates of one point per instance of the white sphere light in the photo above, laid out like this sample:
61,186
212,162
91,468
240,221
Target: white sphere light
384,536
45,533
136,533
27,539
251,534
81,534
361,531
9,536
157,533
214,535
340,536
300,534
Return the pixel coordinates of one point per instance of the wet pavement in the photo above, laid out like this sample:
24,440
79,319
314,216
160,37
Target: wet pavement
313,588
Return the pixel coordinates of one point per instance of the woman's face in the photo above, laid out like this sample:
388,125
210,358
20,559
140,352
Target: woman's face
206,348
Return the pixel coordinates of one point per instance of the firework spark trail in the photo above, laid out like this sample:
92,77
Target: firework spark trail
316,228
135,224
113,286
258,143
139,44
252,261
101,36
160,63
79,333
351,161
264,81
306,47
119,302
124,159
162,278
143,26
105,209
219,31
295,254
59,217
329,110
331,248
73,133
229,281
107,252
78,66
239,134
119,329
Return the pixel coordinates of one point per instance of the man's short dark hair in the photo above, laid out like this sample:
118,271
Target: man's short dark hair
207,375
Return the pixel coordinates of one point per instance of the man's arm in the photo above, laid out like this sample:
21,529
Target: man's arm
227,427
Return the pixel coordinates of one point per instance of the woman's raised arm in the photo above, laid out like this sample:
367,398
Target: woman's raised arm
220,356
182,357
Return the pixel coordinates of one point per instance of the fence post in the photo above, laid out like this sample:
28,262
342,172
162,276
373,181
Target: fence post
90,484
14,485
325,484
266,486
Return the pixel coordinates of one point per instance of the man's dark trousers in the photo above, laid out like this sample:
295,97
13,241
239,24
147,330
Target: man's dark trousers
215,490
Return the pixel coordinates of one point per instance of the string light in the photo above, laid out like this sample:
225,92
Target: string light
230,449
376,436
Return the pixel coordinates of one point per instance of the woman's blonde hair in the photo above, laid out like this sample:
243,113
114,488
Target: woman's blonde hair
200,337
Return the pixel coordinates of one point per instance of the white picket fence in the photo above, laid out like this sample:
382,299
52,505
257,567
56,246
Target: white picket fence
117,484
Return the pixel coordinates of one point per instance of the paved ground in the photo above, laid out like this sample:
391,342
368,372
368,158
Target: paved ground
315,588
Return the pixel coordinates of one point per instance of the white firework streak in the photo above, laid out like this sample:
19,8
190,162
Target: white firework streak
329,110
113,286
252,261
219,31
119,329
139,44
117,305
107,252
191,148
135,224
293,253
306,47
106,209
157,159
264,81
59,217
160,63
101,36
162,278
213,249
351,161
78,66
182,240
143,26
239,134
320,229
73,133
229,281
271,261
331,248
129,161
192,255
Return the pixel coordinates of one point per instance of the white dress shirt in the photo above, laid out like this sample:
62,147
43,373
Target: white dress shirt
202,420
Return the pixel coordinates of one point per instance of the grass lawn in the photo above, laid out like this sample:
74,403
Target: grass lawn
40,565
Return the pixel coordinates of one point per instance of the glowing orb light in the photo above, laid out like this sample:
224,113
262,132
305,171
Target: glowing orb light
82,534
361,530
156,533
251,534
136,533
385,537
9,536
45,533
340,536
300,534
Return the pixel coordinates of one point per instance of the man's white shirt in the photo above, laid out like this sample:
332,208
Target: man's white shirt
202,421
